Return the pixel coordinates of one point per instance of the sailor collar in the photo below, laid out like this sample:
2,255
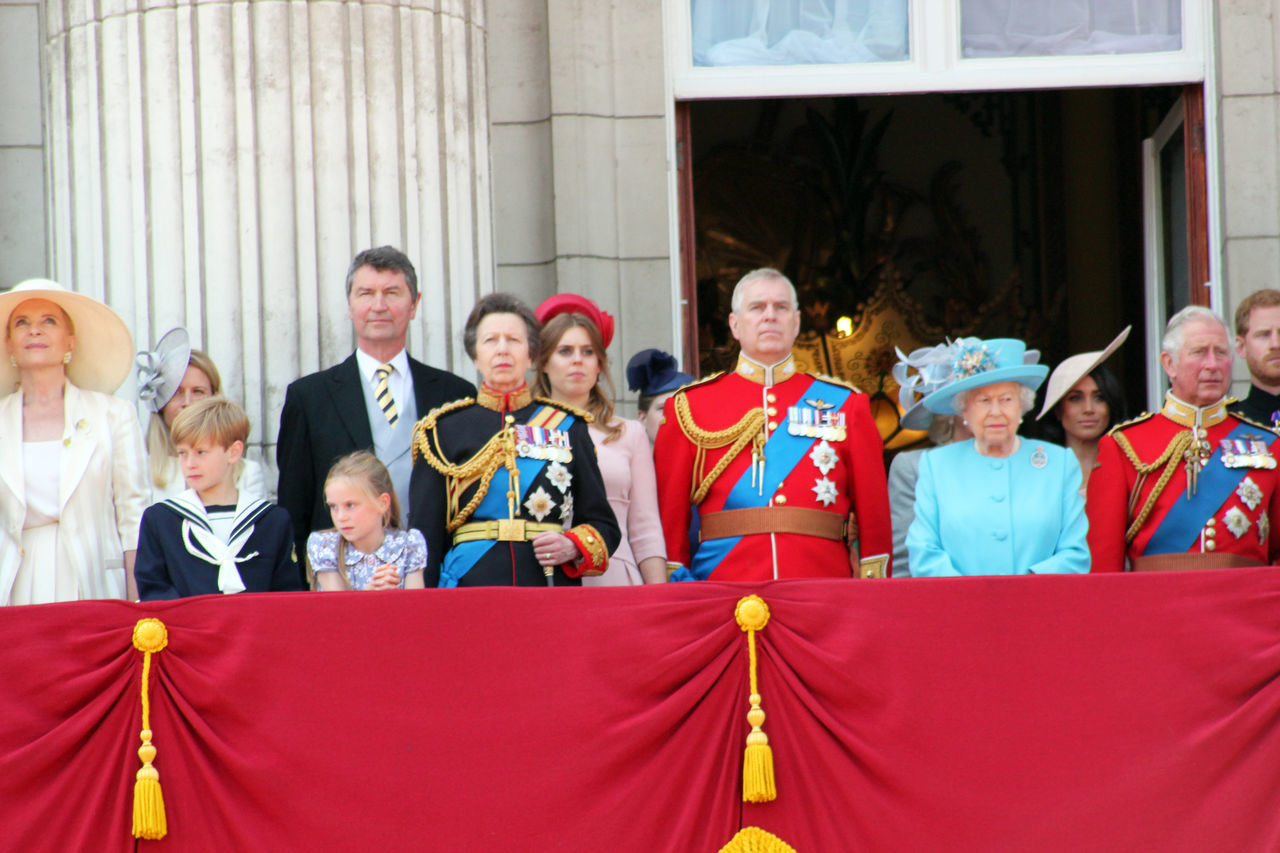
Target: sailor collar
504,401
1187,415
766,374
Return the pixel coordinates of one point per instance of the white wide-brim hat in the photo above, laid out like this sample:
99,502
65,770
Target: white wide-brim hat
979,363
1075,368
160,371
103,350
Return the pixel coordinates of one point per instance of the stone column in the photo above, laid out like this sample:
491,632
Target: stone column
217,164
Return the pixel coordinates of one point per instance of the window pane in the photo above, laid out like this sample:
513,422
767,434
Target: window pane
798,32
1069,27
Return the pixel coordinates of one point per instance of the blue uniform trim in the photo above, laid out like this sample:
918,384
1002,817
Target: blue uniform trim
459,559
782,453
1181,526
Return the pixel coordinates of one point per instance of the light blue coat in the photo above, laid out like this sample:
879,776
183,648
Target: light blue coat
977,515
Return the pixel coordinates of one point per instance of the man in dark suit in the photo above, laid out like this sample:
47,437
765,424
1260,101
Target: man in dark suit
371,401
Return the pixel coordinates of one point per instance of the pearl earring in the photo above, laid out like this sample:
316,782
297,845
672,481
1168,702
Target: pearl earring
66,358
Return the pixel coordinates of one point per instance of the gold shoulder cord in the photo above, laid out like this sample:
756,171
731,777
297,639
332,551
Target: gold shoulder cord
749,430
1169,458
498,451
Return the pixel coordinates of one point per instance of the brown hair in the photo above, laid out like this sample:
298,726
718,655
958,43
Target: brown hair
501,303
1265,298
215,419
599,404
160,446
367,473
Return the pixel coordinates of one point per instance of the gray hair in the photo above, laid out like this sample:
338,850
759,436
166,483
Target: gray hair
1027,397
762,274
384,258
1175,334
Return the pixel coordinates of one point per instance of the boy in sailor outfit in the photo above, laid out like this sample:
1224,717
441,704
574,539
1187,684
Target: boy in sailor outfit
210,538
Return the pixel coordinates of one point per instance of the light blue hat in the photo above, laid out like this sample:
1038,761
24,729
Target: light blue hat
975,363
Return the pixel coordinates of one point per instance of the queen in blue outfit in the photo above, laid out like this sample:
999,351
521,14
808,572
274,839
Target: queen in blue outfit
997,504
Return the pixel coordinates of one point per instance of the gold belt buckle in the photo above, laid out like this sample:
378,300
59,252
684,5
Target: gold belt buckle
511,530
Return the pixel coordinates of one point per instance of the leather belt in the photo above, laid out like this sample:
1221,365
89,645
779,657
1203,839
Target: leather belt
772,519
503,530
1183,562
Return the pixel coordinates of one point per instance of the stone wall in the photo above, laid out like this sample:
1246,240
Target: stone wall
1248,58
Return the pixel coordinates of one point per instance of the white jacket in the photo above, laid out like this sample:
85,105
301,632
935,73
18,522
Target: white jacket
102,490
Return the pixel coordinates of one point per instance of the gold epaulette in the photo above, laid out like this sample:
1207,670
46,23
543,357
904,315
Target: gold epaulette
1252,422
1139,419
419,444
434,414
703,381
573,410
834,380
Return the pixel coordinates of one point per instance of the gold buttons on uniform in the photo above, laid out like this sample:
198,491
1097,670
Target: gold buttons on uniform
771,397
1210,545
1210,532
780,500
772,411
772,426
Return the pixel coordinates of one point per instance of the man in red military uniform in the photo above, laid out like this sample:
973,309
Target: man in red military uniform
785,468
1191,486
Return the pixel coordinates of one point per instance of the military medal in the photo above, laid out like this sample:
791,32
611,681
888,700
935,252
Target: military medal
1247,452
541,443
816,420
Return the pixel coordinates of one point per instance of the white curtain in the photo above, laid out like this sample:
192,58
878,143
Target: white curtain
798,32
1067,27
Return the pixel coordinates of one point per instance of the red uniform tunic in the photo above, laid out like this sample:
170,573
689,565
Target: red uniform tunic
1239,523
841,476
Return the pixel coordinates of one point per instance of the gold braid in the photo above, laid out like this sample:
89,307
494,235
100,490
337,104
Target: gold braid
498,451
750,429
1169,458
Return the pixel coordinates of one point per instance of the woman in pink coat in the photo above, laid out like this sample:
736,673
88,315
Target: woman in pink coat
572,367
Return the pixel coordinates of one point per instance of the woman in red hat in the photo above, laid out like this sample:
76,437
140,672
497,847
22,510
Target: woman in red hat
573,368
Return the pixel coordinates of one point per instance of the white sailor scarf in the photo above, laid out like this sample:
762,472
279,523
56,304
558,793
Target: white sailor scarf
201,542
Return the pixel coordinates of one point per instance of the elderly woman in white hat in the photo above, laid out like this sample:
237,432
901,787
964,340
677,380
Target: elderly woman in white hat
1086,400
72,471
997,504
171,377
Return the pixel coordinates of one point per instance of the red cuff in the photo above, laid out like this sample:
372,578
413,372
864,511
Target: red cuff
595,556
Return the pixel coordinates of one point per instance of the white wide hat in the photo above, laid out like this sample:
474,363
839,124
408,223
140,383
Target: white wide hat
1075,368
103,350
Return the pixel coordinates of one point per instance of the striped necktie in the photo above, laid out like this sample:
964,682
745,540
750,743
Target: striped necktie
383,395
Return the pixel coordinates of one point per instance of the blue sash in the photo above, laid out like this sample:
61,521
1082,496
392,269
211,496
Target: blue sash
459,559
1181,526
782,452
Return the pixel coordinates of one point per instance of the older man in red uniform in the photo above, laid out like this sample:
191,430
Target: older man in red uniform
785,469
1190,486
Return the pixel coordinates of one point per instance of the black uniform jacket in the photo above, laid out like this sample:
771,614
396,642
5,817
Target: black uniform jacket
325,418
460,433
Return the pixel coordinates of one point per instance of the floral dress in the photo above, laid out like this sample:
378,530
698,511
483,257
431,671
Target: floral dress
406,549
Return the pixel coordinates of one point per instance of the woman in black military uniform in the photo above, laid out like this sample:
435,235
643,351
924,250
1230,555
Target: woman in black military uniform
505,487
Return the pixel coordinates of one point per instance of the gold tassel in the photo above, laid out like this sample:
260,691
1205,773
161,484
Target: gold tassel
149,637
753,839
757,766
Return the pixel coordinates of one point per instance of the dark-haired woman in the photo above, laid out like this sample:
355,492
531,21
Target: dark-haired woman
1086,400
496,477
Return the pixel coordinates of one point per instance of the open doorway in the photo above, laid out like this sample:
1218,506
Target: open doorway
904,219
